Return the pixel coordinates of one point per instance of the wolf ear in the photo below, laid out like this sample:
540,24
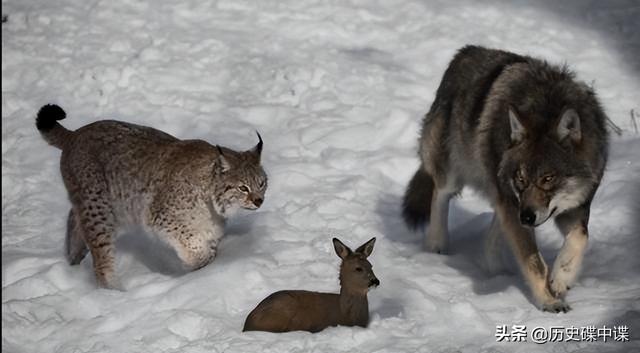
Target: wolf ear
223,163
367,247
517,129
342,250
257,150
569,125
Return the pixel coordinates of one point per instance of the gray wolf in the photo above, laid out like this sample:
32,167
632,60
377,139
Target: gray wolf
528,137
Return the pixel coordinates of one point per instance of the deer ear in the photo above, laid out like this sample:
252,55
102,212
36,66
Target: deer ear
342,250
367,247
517,129
257,150
569,125
223,163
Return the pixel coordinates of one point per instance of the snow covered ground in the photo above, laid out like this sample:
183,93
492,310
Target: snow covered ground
337,89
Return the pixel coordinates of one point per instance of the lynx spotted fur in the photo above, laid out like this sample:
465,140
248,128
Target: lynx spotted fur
119,175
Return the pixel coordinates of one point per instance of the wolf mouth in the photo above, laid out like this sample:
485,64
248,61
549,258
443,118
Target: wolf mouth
549,216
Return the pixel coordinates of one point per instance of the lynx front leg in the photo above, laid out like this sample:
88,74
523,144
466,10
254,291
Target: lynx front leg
523,244
566,267
194,237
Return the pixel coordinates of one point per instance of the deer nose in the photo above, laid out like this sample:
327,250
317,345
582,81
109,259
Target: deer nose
374,282
258,201
527,217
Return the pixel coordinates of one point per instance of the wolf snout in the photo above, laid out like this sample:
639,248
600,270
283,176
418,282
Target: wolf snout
527,217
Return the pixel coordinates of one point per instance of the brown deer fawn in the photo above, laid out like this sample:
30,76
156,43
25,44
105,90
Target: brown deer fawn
292,310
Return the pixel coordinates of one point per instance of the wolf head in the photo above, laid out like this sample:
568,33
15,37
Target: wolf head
542,168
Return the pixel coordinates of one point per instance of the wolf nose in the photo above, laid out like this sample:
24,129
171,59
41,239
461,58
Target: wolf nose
527,217
374,282
258,202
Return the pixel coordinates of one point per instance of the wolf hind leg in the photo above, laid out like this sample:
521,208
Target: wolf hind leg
75,247
568,263
437,235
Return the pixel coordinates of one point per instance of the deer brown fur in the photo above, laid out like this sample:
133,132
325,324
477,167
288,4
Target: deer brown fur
293,310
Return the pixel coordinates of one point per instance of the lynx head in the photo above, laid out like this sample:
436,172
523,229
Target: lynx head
239,179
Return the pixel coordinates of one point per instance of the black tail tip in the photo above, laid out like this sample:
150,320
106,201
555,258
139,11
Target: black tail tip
48,115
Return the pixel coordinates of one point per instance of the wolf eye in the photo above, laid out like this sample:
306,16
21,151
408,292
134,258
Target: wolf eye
548,178
243,188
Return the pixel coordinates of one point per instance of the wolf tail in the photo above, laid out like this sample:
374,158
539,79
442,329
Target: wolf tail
416,206
47,123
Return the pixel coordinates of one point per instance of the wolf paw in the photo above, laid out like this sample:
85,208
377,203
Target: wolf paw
559,288
556,306
436,248
560,283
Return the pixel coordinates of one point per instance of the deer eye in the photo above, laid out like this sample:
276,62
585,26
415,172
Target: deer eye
243,188
359,269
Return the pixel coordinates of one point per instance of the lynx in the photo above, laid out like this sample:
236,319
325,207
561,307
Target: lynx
119,175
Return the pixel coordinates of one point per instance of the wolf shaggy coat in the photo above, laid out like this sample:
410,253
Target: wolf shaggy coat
528,137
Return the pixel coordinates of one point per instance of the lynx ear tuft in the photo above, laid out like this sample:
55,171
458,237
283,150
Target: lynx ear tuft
257,150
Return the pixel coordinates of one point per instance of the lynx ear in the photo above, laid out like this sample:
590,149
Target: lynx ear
257,150
223,163
342,250
367,247
517,129
569,125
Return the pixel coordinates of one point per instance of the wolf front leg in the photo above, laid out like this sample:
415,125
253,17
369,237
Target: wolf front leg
523,244
573,225
493,246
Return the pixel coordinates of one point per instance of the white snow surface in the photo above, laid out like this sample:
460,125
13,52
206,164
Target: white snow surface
337,90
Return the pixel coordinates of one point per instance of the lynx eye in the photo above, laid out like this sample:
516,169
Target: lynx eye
548,179
261,185
519,177
243,188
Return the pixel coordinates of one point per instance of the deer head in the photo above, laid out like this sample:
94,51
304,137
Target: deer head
356,272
